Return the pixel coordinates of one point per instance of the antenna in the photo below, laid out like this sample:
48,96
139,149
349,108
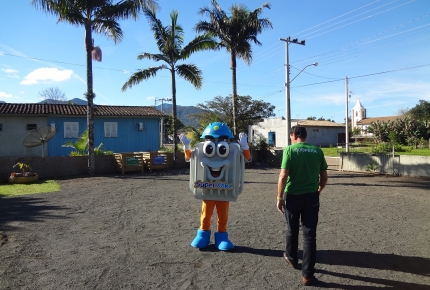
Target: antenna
39,137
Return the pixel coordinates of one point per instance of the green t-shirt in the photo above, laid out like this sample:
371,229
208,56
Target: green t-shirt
304,163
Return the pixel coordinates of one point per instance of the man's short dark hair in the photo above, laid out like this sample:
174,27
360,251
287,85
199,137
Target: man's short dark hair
300,131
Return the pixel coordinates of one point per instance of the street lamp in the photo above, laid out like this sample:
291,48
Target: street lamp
162,120
287,83
287,101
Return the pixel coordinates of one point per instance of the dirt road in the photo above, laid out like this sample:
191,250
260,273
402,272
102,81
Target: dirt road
134,232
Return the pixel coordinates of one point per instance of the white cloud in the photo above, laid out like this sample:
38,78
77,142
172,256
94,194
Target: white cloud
4,95
9,70
11,73
150,98
47,75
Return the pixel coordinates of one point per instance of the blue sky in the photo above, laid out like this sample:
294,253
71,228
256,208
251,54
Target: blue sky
382,46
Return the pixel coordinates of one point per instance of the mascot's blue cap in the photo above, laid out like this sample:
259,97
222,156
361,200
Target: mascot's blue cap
217,129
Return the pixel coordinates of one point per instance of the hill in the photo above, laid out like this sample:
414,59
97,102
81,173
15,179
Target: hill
183,113
75,101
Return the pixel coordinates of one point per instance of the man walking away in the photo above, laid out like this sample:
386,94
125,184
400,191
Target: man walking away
303,176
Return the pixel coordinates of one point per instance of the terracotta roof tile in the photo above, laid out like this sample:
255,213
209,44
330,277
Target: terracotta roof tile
367,121
78,110
319,123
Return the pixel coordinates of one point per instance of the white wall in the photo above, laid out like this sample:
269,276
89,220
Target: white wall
319,136
13,134
276,125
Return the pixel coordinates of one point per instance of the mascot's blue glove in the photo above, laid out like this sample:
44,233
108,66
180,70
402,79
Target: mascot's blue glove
243,141
184,140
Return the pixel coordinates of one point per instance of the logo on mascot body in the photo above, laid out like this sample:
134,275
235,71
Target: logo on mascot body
213,185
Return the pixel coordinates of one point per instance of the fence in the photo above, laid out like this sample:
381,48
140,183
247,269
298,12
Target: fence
384,163
405,165
61,167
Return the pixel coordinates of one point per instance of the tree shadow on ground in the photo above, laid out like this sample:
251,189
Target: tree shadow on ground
390,184
392,262
381,283
25,209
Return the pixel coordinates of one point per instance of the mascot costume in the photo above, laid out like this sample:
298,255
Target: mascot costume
217,168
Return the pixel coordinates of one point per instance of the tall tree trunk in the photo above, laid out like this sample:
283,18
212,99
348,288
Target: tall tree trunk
234,97
90,100
175,142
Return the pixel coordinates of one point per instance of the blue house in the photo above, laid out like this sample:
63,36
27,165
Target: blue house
119,128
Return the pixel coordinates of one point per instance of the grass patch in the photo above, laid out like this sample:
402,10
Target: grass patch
334,152
40,186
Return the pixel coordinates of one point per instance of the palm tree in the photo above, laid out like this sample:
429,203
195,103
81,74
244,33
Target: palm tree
235,34
99,16
170,44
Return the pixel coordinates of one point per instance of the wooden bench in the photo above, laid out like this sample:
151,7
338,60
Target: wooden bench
157,160
129,161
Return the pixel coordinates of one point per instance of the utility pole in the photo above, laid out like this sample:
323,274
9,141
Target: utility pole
287,85
346,119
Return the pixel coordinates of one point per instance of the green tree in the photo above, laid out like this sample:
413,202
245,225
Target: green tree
170,43
220,109
235,34
81,146
311,118
421,112
168,125
99,16
379,130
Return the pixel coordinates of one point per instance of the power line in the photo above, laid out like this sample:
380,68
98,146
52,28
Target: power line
365,18
362,76
335,18
55,61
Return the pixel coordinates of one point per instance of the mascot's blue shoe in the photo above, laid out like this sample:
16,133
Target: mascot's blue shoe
222,242
202,239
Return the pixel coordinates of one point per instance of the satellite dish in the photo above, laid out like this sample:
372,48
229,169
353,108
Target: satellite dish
39,137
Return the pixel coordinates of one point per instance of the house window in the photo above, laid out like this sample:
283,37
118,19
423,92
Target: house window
1,127
111,129
31,127
71,129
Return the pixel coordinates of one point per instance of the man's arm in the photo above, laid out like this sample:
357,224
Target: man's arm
282,180
323,180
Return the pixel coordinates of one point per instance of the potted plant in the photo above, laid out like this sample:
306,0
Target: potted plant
25,176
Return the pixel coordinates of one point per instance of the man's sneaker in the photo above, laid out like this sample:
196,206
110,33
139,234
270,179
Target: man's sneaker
294,265
308,281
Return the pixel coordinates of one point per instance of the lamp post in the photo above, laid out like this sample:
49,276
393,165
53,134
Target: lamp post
287,83
162,120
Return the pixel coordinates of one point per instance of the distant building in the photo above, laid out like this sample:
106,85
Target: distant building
359,119
119,128
320,133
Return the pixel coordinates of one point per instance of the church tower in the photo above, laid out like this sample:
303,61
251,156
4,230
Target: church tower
358,113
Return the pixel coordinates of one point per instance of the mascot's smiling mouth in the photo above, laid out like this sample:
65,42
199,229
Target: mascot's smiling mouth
215,172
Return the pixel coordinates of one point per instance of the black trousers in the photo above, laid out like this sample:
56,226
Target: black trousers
305,207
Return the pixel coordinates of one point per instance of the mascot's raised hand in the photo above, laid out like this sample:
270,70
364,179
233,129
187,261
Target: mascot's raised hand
184,140
187,148
243,141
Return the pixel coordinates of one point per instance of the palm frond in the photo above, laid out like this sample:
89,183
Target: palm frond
200,43
160,34
108,27
142,75
154,57
191,73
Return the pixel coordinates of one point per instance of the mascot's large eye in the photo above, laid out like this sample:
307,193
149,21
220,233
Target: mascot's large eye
223,149
209,149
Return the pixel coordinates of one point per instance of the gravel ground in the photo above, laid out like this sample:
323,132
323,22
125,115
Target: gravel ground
134,232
